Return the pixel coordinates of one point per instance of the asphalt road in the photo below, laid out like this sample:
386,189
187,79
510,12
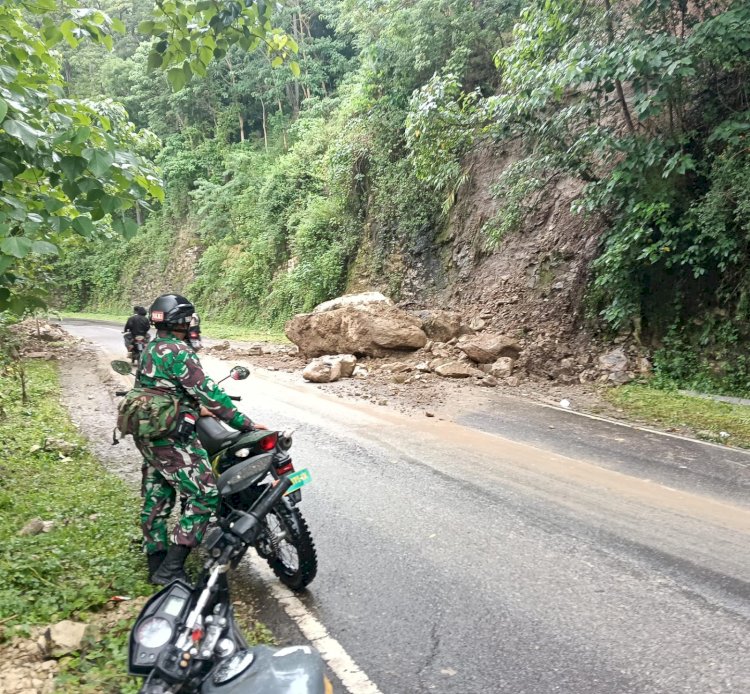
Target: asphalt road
458,561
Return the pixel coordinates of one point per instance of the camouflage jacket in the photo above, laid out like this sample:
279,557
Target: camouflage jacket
168,364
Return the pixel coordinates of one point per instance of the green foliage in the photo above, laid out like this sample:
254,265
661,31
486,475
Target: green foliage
701,417
82,561
646,104
190,35
66,166
289,182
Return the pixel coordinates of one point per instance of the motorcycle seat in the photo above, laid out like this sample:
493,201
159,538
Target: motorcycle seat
214,436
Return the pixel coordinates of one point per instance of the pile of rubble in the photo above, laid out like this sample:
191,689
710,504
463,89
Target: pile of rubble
39,339
349,336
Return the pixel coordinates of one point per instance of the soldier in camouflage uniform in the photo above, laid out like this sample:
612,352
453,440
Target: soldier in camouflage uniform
177,464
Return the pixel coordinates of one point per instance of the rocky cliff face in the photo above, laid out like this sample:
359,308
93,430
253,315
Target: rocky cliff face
531,285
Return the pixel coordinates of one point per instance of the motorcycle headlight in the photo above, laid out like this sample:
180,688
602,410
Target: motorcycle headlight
233,666
153,632
242,453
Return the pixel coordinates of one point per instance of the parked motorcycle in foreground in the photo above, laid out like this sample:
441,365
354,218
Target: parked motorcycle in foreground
285,541
186,639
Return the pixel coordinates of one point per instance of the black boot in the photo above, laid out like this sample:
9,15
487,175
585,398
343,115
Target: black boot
172,568
154,561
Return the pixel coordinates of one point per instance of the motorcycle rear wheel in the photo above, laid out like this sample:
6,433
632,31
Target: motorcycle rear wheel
287,545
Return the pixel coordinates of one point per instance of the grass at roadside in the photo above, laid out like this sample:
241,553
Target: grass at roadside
703,417
210,329
88,556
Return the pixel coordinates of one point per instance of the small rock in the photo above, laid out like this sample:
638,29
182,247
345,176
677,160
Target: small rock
614,360
360,371
643,364
513,381
502,367
489,381
477,324
565,403
457,369
64,637
423,366
322,371
33,527
620,378
429,414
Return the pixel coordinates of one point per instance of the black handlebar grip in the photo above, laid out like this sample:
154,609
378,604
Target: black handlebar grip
270,498
120,393
235,397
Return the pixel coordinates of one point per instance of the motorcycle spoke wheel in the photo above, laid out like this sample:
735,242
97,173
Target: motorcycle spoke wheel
288,547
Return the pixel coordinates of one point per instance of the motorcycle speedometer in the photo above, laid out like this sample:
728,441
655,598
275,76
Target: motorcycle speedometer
233,666
153,632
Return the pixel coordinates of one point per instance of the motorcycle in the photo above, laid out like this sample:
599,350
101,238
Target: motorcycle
187,640
194,338
284,540
135,346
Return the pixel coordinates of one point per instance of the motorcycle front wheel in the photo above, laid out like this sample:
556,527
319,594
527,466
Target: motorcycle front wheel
287,545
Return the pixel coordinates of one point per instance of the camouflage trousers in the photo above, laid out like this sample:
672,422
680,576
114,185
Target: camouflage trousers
168,471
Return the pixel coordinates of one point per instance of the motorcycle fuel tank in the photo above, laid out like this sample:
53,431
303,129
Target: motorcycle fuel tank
291,670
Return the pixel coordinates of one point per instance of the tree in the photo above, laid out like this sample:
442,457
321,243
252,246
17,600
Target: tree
67,167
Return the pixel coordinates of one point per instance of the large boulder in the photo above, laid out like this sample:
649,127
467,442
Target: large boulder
488,347
356,300
375,329
441,326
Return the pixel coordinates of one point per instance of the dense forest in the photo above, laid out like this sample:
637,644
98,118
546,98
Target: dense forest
291,177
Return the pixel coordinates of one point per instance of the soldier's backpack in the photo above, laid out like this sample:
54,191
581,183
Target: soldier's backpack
148,414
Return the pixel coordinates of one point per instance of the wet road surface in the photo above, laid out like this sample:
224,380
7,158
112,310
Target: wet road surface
457,560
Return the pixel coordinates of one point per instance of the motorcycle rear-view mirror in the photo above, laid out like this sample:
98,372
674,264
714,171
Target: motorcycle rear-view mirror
239,373
121,367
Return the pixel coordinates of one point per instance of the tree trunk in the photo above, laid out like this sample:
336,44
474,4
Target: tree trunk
265,132
283,129
618,84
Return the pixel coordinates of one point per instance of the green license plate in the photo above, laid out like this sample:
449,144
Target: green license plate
299,479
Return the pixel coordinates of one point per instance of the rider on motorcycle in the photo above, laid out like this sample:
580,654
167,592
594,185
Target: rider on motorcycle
137,324
177,464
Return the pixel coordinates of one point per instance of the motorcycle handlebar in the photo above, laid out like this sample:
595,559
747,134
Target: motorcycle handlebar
120,393
235,397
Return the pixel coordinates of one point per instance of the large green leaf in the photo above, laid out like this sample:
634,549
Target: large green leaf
177,78
22,131
3,109
44,248
17,246
99,160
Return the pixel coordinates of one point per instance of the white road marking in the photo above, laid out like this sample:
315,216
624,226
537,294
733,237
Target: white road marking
639,427
353,678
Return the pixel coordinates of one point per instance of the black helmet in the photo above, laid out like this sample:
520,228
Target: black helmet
139,310
171,311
